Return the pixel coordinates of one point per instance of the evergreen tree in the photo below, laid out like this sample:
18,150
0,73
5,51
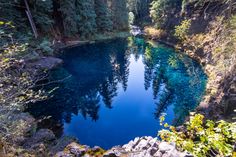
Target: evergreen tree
87,23
140,8
120,14
69,17
42,13
162,10
103,20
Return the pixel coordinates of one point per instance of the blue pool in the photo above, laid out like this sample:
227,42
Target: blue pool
110,92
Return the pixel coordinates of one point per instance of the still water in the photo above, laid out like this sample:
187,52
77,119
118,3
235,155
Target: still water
108,93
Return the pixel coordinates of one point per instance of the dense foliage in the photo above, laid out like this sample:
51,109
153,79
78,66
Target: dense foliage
9,11
103,19
181,31
202,138
87,24
17,82
42,13
67,18
119,14
162,10
140,10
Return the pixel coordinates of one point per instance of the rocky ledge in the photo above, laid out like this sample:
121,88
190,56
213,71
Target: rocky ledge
47,63
139,147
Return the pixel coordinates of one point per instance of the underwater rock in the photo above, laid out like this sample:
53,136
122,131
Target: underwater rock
46,63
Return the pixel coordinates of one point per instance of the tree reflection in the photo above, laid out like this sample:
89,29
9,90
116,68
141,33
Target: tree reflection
98,70
108,90
136,46
120,63
171,77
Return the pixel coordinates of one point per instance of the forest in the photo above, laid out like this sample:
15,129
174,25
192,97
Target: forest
113,78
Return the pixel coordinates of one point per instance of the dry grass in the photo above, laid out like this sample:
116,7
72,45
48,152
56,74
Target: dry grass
154,33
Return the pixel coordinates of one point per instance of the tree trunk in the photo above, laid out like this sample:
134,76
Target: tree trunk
29,15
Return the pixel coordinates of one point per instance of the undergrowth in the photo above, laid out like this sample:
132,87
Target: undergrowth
202,137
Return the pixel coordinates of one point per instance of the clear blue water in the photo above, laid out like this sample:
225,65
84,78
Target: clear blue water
118,89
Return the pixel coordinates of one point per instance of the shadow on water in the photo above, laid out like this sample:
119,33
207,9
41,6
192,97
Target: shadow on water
117,91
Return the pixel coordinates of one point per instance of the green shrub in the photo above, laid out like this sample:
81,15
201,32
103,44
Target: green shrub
202,138
181,31
46,47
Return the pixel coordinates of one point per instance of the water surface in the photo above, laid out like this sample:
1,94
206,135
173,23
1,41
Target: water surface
117,90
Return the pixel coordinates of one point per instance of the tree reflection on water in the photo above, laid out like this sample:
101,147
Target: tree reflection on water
98,70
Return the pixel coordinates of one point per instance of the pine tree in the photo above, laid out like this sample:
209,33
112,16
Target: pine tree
69,17
120,14
87,23
103,20
42,13
140,9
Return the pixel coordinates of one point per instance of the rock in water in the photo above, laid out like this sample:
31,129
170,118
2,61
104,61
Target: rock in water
136,31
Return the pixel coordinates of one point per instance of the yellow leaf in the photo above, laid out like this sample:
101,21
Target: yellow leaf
6,60
166,125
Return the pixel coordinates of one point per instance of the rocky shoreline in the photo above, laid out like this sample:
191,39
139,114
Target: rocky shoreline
139,147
